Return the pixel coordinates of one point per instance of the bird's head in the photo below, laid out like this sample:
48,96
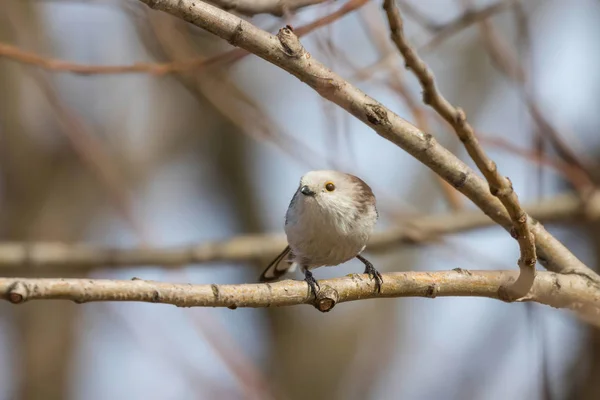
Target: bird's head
335,190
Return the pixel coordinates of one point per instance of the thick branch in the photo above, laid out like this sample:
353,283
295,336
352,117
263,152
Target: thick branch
420,230
561,291
500,186
286,52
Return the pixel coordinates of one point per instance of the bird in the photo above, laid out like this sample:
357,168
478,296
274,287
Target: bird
328,222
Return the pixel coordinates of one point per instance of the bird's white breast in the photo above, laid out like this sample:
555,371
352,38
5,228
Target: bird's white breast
328,236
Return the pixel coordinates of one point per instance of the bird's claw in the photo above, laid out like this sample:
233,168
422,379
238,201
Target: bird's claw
375,275
312,283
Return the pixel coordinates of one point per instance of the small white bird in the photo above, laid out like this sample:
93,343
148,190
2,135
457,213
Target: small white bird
328,222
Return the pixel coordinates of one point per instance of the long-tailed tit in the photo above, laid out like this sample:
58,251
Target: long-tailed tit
328,222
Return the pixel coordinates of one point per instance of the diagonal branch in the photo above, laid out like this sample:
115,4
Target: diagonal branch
500,186
561,291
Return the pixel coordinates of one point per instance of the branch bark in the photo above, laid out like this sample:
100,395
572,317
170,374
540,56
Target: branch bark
557,290
421,230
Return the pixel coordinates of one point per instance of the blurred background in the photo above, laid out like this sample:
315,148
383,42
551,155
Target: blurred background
202,154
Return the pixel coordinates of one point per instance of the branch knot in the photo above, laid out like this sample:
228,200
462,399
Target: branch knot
290,43
18,293
326,299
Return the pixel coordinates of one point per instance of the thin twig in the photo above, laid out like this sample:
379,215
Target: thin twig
26,57
377,33
465,20
557,290
508,63
571,173
500,186
250,8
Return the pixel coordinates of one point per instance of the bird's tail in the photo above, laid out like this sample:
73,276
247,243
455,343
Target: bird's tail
279,266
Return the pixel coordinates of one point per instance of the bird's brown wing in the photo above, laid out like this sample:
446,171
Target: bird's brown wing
278,266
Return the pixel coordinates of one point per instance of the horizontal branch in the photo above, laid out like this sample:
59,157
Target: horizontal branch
561,291
61,256
51,64
285,51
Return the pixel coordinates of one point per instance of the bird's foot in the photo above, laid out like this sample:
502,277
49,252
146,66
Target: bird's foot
373,273
312,282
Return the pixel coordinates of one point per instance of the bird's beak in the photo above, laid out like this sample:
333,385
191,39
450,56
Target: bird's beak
305,190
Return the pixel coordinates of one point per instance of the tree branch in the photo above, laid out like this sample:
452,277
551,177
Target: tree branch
285,51
561,291
500,186
420,230
253,7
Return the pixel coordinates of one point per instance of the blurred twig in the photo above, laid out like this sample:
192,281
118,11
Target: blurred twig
507,62
465,20
557,290
241,110
231,158
378,35
26,57
500,186
193,64
250,8
92,152
419,230
570,172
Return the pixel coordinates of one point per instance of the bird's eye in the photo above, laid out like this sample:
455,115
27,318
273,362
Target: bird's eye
330,186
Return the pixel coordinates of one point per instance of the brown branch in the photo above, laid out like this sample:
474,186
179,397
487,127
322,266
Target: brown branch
571,173
251,8
500,186
25,57
420,230
561,291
